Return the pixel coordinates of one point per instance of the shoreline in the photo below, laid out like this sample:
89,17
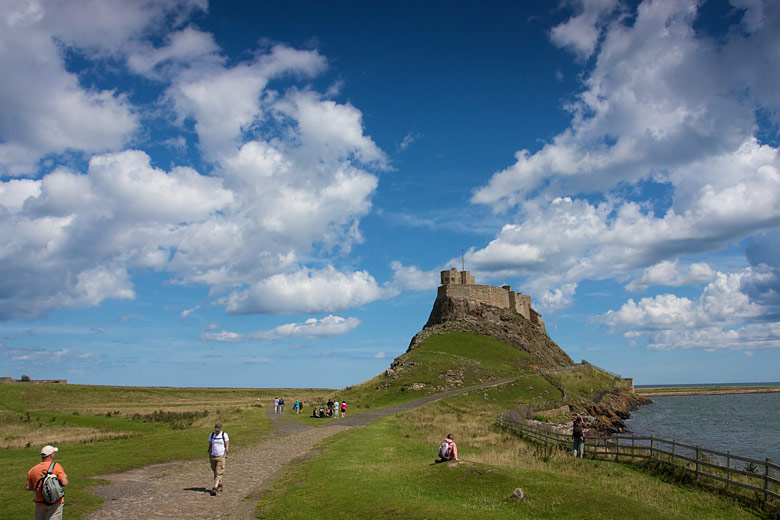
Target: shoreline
713,390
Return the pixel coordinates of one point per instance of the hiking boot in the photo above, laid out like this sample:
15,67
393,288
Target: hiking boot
220,488
214,492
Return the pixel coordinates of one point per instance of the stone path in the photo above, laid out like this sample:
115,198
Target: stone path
180,489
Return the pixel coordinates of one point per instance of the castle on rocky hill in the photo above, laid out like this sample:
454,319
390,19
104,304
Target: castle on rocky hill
462,286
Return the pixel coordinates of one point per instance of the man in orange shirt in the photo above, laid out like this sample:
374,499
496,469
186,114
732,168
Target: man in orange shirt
44,511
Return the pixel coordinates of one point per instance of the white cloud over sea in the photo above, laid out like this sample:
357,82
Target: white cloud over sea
662,161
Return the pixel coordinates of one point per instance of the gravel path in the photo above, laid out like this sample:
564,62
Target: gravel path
181,489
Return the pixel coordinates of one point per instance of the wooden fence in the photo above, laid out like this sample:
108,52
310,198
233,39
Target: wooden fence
761,477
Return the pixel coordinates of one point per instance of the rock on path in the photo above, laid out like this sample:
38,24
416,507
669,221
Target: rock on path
180,489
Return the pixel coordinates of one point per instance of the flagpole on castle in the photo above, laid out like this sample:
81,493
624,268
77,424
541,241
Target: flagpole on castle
463,259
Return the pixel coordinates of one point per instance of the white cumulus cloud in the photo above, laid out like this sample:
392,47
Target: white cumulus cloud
307,290
312,328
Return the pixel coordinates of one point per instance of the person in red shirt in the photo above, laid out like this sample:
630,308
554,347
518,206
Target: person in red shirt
44,511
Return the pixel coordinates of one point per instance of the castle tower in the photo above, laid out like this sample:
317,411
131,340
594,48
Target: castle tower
453,277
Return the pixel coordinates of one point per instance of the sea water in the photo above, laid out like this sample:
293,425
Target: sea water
744,424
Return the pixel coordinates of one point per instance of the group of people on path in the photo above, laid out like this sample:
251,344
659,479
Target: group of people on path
331,409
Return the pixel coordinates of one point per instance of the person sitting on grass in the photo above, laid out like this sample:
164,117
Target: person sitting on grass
448,450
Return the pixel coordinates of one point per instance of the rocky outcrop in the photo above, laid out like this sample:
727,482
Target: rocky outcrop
606,412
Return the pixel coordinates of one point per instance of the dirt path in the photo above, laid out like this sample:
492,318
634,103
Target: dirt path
181,489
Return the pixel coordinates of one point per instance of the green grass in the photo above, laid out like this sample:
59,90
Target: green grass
586,382
442,362
386,470
94,439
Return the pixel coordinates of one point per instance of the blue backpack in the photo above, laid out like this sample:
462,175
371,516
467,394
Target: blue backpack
444,450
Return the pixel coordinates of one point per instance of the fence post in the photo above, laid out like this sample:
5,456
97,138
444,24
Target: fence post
698,452
652,438
728,470
766,479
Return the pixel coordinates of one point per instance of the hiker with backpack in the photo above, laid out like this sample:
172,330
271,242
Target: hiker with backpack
219,443
47,480
448,450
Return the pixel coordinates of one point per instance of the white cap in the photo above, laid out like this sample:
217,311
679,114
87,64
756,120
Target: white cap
48,450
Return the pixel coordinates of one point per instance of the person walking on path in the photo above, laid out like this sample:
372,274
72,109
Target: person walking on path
343,408
219,444
578,436
35,476
336,408
276,405
281,405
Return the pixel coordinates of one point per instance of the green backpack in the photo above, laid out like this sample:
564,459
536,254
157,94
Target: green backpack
51,489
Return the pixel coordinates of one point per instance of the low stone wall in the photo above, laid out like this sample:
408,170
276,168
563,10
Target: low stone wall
34,381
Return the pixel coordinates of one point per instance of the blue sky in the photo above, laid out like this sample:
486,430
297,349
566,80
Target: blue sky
263,194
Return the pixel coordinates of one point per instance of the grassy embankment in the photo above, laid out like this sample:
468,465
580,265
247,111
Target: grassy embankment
386,470
106,429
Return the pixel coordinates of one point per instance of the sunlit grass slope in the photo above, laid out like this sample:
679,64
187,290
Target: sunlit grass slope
443,362
106,429
386,470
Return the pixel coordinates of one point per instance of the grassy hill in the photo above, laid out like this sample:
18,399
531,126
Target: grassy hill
442,362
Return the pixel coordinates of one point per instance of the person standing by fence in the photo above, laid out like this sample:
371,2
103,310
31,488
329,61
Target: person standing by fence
578,436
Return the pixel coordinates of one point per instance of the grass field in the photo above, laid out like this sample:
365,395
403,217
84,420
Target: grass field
383,470
386,470
106,429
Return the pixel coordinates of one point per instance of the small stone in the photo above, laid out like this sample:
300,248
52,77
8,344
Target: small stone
518,494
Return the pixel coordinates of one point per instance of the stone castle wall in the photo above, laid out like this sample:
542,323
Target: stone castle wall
460,286
488,294
33,381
